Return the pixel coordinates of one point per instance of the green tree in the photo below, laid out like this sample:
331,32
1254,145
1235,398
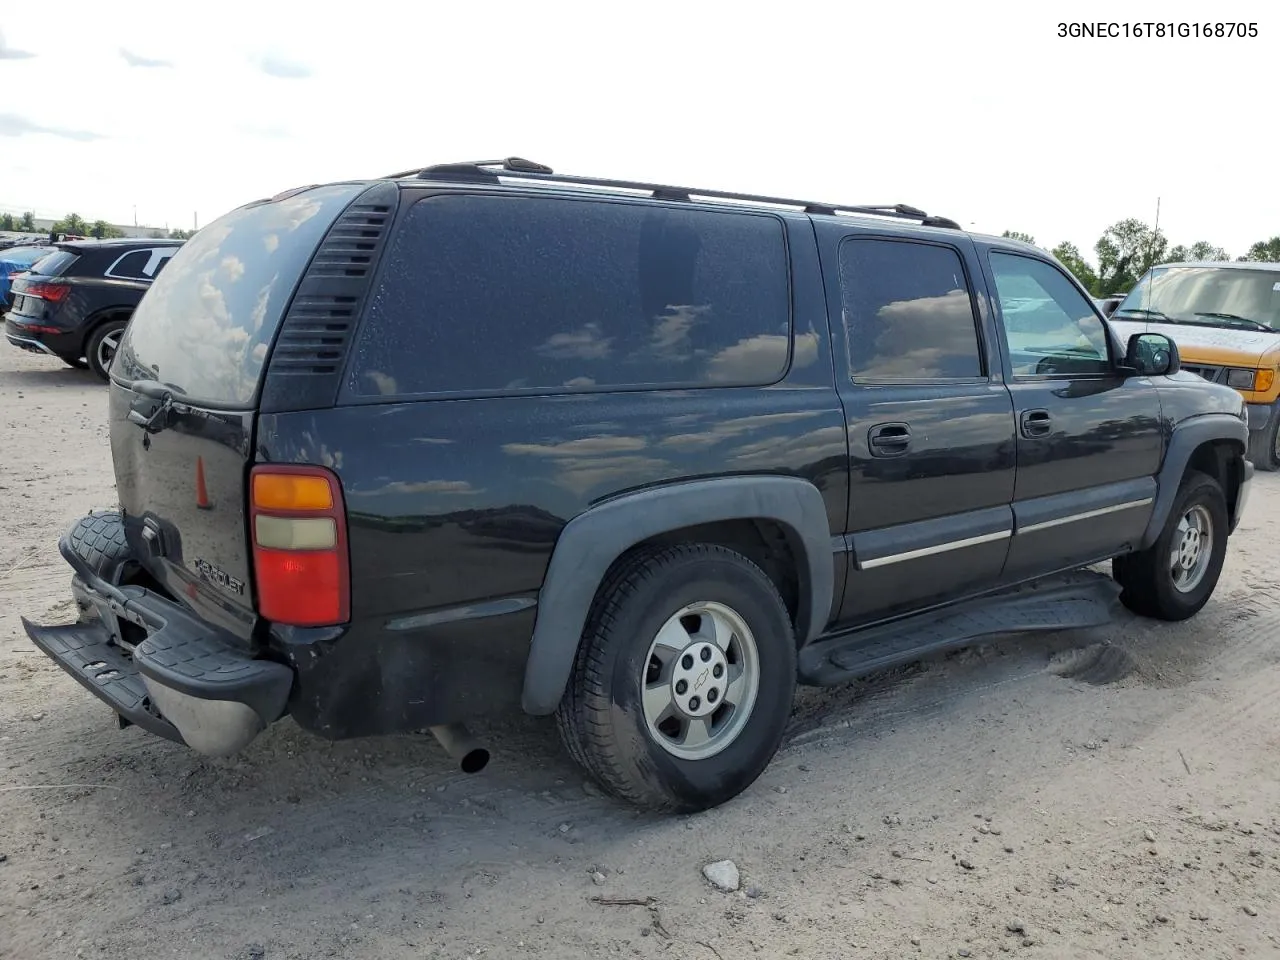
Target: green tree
1267,251
1178,254
28,222
71,223
103,230
6,222
1069,256
179,234
1018,235
1126,250
1204,251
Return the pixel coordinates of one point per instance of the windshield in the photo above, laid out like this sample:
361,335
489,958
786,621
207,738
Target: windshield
1213,296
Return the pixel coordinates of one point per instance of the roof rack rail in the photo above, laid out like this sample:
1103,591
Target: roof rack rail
517,168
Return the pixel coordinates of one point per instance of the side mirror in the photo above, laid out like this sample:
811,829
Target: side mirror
1152,355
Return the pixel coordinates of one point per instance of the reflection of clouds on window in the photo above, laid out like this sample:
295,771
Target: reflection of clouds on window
233,268
585,343
755,360
671,330
928,337
580,382
382,383
271,241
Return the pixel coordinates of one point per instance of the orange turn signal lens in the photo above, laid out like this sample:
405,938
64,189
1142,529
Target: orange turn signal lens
1265,380
285,491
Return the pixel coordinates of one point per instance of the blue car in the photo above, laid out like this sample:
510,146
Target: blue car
17,260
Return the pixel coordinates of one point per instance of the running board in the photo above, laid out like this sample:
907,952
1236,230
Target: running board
1067,602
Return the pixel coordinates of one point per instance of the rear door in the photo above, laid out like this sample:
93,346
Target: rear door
930,423
203,333
1089,438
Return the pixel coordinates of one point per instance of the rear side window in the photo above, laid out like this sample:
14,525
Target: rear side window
907,312
206,324
55,264
484,294
141,265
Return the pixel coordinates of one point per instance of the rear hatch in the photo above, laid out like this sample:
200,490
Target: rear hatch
36,289
184,389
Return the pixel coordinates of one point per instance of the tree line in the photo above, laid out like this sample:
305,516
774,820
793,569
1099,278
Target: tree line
75,224
1128,249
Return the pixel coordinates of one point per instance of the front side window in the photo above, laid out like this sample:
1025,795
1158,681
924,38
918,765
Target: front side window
490,294
907,311
1206,296
1051,328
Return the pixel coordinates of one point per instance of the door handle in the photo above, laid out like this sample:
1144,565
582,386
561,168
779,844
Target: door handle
1036,423
889,439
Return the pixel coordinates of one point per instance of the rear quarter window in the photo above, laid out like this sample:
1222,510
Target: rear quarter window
206,325
140,265
489,295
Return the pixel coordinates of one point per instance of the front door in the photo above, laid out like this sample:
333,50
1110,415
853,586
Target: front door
1089,438
930,423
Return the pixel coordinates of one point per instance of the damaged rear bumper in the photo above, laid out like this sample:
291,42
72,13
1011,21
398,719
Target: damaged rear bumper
186,681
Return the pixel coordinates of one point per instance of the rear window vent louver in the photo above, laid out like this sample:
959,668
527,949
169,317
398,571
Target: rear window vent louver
311,346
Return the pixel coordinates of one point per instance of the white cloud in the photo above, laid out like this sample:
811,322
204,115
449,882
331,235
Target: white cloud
980,113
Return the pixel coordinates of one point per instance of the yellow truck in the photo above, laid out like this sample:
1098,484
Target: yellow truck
1225,319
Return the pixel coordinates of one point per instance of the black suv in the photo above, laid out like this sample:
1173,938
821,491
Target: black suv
75,303
396,453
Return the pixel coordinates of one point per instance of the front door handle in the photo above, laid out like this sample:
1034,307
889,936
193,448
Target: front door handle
889,439
1036,423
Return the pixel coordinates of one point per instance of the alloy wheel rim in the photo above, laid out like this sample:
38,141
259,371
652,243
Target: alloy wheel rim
700,682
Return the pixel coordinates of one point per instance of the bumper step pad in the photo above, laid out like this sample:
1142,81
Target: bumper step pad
84,650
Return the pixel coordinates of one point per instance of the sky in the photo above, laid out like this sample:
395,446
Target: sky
978,111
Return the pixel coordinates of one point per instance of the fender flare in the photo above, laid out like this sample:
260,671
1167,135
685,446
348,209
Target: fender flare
590,543
1187,437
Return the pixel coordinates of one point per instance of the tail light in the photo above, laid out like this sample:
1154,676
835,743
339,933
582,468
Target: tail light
299,532
52,292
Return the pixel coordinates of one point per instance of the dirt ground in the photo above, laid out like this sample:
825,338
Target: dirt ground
1108,793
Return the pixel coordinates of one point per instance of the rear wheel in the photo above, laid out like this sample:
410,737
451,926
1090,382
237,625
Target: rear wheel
101,348
683,682
1175,577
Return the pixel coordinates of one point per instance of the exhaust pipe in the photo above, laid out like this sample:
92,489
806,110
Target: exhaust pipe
460,745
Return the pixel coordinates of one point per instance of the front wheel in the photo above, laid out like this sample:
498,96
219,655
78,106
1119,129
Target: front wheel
1176,575
684,679
101,348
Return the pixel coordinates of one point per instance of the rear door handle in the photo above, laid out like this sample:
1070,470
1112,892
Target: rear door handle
1036,423
889,439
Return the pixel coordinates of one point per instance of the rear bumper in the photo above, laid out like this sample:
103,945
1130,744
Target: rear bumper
38,341
186,681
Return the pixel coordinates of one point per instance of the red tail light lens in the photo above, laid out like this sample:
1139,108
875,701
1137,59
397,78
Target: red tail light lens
298,526
52,292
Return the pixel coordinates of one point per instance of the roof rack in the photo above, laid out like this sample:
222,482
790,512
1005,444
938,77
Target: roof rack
517,168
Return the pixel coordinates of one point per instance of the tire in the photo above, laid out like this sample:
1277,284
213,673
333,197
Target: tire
603,719
99,541
1147,578
78,362
101,346
1263,443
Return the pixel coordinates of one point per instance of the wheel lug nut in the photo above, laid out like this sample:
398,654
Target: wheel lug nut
706,654
694,703
712,695
717,671
687,662
681,686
